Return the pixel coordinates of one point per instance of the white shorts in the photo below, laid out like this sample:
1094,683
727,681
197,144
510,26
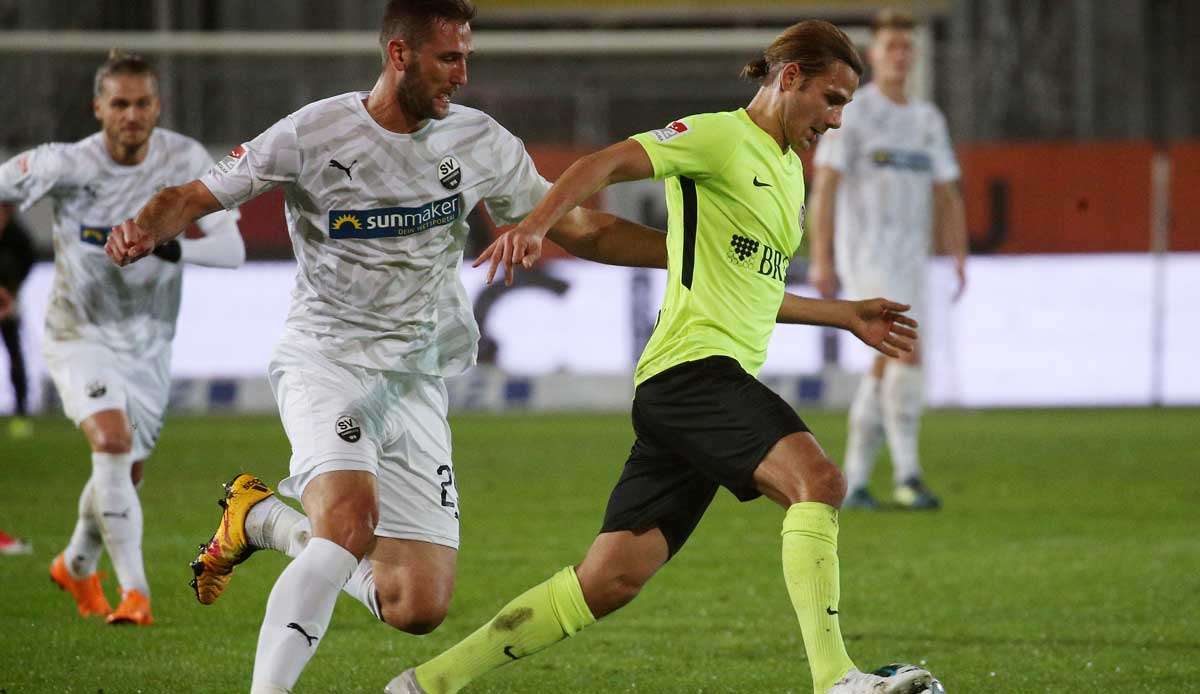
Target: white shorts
91,378
906,288
393,425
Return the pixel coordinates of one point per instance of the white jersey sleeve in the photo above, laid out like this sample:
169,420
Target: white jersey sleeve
30,175
518,185
253,168
838,148
222,245
945,165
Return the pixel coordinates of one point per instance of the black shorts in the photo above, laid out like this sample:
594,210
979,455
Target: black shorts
700,425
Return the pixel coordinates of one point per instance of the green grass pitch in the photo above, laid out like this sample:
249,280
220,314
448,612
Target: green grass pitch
1067,559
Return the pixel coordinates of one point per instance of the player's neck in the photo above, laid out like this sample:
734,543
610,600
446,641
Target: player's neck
126,155
383,106
893,90
765,115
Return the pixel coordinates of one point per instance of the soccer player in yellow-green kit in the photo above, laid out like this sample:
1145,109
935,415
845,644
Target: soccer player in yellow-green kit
735,192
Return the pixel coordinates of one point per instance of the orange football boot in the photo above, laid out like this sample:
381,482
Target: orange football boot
134,609
88,594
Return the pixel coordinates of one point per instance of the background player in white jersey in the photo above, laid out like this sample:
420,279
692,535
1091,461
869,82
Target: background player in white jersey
109,329
378,187
875,181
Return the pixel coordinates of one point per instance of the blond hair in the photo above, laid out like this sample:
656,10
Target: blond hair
122,62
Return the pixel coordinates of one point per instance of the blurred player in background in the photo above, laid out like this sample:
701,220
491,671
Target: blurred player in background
875,181
10,546
16,260
735,196
109,329
378,189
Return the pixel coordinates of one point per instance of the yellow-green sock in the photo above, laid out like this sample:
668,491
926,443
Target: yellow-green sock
810,568
541,617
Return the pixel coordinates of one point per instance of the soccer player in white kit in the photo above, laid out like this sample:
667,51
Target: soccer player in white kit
876,181
109,329
378,186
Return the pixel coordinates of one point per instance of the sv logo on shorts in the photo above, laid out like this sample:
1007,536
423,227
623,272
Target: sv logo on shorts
96,389
347,429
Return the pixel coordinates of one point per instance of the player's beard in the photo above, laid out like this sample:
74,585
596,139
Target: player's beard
123,144
415,96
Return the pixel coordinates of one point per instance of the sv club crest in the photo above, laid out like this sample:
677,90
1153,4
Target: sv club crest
347,429
449,172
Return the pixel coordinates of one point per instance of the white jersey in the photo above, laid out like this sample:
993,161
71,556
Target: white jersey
378,221
128,309
889,156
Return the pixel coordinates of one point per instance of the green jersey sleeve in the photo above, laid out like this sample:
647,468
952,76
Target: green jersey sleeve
698,146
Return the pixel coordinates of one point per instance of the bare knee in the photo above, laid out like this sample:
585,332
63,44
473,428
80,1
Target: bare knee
826,483
607,589
344,509
353,529
797,470
111,441
414,582
108,431
411,617
620,590
411,606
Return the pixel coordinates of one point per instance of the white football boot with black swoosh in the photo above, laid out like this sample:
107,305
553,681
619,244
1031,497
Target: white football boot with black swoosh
890,679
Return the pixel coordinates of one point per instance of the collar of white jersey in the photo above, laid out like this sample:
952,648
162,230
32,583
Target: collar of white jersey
360,107
153,144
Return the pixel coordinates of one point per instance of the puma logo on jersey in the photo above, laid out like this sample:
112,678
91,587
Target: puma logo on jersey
334,163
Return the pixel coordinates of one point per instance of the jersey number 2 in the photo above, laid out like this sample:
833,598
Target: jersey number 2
446,484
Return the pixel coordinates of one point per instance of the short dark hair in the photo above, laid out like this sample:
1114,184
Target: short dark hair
892,19
121,62
412,20
812,44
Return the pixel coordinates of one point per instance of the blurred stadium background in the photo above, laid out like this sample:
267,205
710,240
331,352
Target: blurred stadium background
1065,559
1075,122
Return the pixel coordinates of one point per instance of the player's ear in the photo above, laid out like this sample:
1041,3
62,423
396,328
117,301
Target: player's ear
790,77
396,54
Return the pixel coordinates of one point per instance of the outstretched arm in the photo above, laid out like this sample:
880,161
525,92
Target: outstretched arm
879,323
624,161
605,238
167,214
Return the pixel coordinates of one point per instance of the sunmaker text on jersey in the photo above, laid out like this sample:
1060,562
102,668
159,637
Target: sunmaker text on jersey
386,222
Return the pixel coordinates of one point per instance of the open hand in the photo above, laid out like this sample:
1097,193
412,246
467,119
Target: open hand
127,242
882,324
520,244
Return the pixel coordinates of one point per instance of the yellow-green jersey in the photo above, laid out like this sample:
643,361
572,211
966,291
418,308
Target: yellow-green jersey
735,204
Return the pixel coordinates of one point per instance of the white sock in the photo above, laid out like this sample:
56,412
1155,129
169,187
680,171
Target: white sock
298,612
361,587
864,433
119,514
272,524
903,396
83,551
